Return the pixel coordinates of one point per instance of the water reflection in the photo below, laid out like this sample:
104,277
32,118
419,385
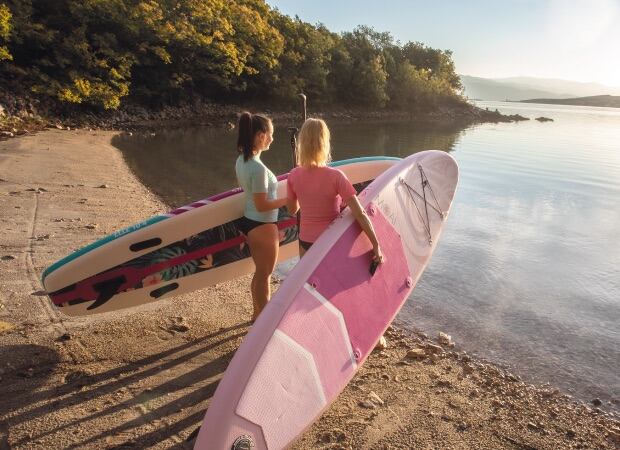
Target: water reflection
186,164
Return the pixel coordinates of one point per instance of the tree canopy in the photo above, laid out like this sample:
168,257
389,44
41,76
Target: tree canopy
5,28
100,53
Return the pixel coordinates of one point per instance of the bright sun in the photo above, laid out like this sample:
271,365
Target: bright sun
585,35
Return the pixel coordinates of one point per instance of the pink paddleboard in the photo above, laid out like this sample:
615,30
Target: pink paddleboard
329,313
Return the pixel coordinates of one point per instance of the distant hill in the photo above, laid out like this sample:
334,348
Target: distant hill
525,88
610,101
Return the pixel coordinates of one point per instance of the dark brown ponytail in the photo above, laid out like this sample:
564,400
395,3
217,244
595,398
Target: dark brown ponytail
249,126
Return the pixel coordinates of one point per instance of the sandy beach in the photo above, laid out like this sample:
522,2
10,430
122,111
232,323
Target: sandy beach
143,378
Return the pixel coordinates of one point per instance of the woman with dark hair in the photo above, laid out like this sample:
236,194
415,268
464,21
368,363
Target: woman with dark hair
261,203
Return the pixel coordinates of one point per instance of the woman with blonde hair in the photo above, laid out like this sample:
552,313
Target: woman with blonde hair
319,190
261,203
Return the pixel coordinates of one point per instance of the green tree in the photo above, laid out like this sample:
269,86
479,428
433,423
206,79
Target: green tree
259,43
438,63
206,48
65,49
362,75
98,53
5,30
420,77
93,51
304,64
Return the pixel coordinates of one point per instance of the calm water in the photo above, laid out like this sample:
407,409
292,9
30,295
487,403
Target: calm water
527,272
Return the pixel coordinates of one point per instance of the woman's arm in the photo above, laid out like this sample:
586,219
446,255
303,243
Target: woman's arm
360,215
292,205
263,204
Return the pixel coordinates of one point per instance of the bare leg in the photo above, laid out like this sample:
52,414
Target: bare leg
302,252
263,242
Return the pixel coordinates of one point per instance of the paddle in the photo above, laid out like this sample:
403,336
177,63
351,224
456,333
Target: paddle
294,130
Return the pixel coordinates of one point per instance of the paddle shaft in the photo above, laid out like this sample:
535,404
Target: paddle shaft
294,131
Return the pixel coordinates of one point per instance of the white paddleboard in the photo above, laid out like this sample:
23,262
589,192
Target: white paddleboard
189,248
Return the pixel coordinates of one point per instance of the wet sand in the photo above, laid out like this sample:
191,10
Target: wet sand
143,378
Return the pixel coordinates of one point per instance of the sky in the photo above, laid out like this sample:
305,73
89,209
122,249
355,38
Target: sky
567,39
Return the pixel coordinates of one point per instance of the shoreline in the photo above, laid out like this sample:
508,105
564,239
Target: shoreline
143,377
23,117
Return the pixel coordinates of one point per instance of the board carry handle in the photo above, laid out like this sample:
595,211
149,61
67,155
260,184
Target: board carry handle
107,289
143,245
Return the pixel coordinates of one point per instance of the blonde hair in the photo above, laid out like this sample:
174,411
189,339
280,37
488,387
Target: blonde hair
313,143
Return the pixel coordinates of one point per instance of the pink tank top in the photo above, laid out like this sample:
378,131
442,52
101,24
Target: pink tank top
320,191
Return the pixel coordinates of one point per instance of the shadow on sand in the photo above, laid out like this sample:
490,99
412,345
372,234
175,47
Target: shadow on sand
136,405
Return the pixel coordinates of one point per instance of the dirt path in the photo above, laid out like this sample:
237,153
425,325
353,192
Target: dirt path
143,378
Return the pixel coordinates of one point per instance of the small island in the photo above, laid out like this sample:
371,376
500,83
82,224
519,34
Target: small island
608,101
